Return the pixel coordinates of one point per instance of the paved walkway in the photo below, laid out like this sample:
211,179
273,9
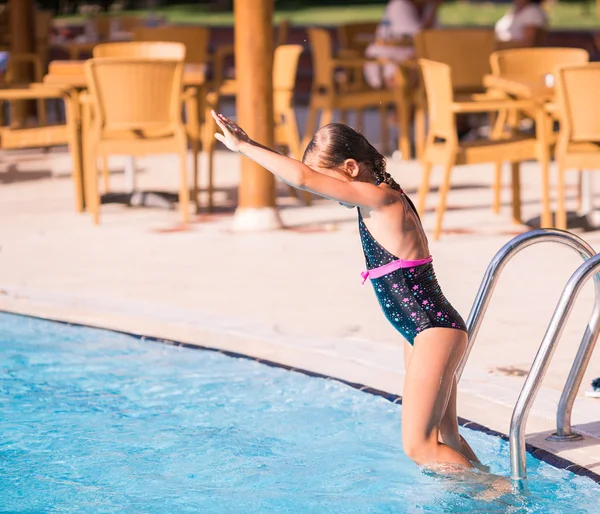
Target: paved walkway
293,295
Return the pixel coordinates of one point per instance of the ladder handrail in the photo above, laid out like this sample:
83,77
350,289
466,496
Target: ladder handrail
492,273
542,360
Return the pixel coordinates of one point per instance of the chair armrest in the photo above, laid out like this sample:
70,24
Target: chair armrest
33,92
490,105
491,94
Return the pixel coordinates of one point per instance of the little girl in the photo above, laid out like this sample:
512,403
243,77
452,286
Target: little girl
339,163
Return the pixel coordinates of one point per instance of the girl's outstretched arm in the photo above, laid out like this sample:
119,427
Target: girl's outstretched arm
297,174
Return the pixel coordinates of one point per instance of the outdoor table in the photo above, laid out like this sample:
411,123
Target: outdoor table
540,94
72,73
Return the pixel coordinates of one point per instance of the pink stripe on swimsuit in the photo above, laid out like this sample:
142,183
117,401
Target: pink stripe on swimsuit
393,266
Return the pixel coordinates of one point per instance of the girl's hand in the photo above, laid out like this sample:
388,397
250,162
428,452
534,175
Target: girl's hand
232,136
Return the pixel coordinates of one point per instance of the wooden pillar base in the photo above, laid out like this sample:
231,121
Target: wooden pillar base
256,219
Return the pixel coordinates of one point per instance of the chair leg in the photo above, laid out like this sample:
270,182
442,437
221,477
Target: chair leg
208,146
499,124
403,114
105,174
442,201
90,173
184,190
497,187
561,213
516,192
424,187
75,143
211,186
420,131
546,219
543,128
293,142
385,132
311,125
344,116
195,144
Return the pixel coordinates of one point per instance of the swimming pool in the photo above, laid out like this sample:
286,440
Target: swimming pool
95,421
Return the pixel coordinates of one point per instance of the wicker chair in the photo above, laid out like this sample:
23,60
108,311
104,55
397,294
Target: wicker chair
443,148
578,145
328,94
137,110
46,135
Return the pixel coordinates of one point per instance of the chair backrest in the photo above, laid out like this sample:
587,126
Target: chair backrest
349,35
135,93
149,50
577,93
285,66
437,78
466,51
531,64
320,46
195,39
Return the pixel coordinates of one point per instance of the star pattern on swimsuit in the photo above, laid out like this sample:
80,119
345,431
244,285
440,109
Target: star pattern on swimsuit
410,298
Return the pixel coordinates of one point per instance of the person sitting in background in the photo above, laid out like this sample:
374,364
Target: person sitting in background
524,25
402,18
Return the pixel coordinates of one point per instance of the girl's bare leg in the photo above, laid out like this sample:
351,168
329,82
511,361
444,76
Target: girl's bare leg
449,429
448,433
427,389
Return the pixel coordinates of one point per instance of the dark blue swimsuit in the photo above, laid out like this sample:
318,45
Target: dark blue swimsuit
410,298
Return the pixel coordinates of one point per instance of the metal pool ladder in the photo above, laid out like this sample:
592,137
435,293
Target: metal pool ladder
543,357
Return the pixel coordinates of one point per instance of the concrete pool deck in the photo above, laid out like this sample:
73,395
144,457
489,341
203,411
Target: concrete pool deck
293,296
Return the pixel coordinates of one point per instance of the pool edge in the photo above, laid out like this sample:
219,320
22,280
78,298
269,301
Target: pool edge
539,453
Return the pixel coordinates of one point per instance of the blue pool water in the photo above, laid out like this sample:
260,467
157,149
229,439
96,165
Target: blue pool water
93,421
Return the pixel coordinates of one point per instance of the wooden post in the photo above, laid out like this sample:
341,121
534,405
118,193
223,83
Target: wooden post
254,74
21,42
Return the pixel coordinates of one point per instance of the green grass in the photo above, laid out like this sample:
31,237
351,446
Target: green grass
578,15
